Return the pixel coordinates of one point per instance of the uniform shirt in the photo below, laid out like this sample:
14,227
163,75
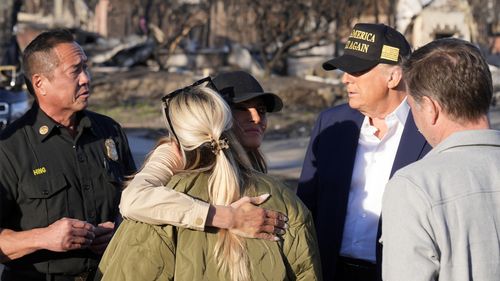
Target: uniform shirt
46,174
372,169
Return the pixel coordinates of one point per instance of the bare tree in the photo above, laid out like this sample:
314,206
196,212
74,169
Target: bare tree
282,29
170,22
486,13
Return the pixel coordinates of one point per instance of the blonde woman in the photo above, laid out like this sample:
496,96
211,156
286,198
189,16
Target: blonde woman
215,168
146,199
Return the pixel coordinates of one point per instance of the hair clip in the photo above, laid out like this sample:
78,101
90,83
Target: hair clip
218,145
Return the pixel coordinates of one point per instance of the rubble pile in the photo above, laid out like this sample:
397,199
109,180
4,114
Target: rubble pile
138,90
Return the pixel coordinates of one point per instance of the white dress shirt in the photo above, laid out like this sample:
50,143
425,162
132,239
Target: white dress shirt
372,168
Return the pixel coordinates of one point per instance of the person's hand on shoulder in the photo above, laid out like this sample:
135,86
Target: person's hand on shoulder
245,219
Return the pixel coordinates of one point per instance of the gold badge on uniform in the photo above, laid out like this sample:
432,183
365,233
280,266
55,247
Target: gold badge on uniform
43,130
111,151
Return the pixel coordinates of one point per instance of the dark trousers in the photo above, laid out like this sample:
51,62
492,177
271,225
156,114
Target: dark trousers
14,275
349,269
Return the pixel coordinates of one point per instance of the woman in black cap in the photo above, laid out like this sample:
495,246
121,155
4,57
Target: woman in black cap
249,104
146,199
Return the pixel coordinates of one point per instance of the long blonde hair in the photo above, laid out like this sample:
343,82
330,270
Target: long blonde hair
202,123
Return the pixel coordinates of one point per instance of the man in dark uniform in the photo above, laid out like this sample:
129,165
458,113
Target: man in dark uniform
61,170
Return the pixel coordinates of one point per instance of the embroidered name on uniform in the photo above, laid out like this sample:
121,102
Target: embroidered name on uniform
39,171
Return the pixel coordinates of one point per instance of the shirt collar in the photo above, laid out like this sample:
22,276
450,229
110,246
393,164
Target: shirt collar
399,115
85,122
45,127
465,138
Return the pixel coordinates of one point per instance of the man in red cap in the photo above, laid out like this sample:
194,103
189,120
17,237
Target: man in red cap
355,148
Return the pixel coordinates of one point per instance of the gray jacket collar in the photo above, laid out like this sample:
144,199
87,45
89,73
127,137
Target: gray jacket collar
466,138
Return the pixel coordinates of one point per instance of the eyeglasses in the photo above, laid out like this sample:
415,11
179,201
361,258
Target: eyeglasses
166,99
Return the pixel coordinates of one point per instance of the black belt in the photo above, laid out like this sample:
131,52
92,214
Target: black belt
84,276
349,269
14,275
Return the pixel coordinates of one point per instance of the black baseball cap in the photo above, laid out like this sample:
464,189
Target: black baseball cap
240,86
368,45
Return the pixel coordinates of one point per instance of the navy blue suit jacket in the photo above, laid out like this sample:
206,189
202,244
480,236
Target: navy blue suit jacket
326,174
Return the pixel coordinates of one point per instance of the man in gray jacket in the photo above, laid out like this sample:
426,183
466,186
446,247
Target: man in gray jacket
441,215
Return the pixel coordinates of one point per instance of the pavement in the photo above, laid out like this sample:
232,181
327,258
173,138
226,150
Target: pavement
285,157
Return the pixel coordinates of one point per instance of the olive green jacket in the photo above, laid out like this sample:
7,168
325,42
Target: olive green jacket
140,251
